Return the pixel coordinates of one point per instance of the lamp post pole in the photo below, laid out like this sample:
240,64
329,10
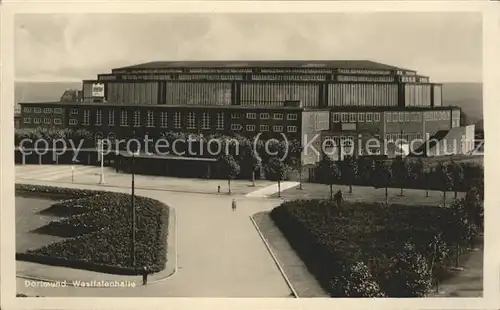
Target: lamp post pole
101,149
133,205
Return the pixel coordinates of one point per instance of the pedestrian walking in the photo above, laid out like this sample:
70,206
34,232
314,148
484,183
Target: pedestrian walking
144,275
218,189
233,205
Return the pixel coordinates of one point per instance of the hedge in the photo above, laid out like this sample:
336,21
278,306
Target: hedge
98,228
367,249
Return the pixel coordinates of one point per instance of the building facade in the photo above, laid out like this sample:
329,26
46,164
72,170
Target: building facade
342,101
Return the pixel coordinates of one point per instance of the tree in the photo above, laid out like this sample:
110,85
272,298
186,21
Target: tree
330,173
349,171
384,176
416,169
229,167
442,179
276,170
400,170
355,280
462,227
365,165
439,252
474,206
408,275
298,166
457,176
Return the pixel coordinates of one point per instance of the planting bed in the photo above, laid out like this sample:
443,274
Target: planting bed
97,231
370,249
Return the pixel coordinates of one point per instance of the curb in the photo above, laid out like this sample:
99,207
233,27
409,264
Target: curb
274,258
138,282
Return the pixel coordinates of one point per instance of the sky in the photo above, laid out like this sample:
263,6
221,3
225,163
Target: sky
445,46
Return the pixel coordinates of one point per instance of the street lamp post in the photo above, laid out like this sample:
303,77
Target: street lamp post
72,174
101,150
133,205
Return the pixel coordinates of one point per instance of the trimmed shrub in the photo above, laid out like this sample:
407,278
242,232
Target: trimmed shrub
332,239
99,232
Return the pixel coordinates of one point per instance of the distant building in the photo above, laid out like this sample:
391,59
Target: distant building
346,102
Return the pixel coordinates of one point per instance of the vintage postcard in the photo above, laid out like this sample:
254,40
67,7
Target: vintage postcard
302,155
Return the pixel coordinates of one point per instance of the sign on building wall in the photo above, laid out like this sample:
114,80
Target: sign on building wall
97,90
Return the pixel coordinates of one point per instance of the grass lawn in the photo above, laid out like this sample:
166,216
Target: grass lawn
367,193
28,219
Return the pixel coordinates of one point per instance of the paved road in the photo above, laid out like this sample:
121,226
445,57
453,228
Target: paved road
220,253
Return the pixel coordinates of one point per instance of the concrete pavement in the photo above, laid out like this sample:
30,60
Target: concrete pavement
219,252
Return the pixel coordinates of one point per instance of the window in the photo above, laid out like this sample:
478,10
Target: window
73,122
418,135
278,128
163,120
177,120
251,115
278,116
123,118
235,115
361,117
58,110
151,119
436,116
250,127
86,117
369,117
352,117
74,112
292,116
111,117
137,118
291,128
236,127
395,136
388,137
47,121
205,120
27,120
401,117
264,127
57,121
344,117
220,121
191,120
264,116
47,110
38,110
98,117
27,110
37,120
336,117
111,136
388,117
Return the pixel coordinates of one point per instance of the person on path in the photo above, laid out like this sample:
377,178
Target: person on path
233,205
144,275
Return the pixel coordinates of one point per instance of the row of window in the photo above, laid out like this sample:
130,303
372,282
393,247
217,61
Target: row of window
275,128
45,110
46,121
331,141
276,116
403,117
403,136
437,116
355,117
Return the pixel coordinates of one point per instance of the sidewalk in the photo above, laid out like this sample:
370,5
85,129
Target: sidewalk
162,183
72,277
468,282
